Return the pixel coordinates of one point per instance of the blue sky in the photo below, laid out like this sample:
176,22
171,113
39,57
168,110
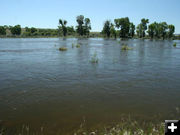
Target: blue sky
46,13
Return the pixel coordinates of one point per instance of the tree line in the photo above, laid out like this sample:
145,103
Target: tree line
121,27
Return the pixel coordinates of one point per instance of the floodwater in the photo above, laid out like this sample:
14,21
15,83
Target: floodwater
43,87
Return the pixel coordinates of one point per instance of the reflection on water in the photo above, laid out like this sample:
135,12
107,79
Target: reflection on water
41,86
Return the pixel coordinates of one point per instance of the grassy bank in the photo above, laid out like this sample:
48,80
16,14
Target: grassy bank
124,127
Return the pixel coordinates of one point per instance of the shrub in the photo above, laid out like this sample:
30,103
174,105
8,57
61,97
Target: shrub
125,47
174,44
72,45
62,49
94,58
78,46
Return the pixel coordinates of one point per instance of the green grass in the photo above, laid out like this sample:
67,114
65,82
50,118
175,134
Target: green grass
126,127
78,45
125,48
62,49
174,44
72,45
94,58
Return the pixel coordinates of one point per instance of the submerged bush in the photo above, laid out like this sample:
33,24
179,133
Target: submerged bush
125,47
174,44
78,46
72,45
94,58
62,49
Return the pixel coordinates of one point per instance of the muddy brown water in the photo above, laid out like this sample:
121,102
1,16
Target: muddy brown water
43,87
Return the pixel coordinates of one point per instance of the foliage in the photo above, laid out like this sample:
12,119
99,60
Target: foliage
151,30
171,30
84,25
94,58
124,25
63,26
126,127
174,44
16,30
62,49
78,45
131,30
125,47
72,45
30,31
161,30
2,30
70,30
107,28
142,27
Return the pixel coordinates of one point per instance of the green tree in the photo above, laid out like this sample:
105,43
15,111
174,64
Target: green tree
131,30
113,31
33,30
84,25
80,21
124,25
157,30
171,30
151,30
2,30
70,30
16,30
144,23
163,29
87,26
63,26
107,28
139,30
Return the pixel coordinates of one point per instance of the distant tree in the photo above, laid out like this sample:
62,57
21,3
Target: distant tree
80,21
131,30
123,24
33,30
16,30
139,30
157,30
84,25
163,29
63,26
151,30
107,28
2,30
70,30
171,30
144,23
87,26
113,31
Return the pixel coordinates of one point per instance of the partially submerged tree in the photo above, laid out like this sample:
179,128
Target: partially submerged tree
171,30
80,21
132,30
163,29
87,26
124,25
142,27
151,30
144,23
84,25
107,28
113,31
63,26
